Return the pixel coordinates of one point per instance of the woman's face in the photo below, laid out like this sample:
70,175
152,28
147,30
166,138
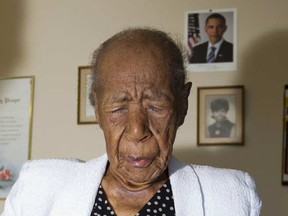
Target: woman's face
135,109
219,115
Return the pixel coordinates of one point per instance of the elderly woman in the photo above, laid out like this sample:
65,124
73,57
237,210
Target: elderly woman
140,98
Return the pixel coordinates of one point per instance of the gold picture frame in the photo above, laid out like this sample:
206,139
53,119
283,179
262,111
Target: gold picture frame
220,115
86,113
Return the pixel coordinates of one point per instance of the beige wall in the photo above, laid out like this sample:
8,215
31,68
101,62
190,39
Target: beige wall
50,39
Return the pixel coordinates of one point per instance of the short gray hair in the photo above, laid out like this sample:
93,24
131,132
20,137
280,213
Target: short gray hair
174,56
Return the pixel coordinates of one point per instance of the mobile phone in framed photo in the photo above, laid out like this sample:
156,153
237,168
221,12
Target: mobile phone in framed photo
220,115
86,114
285,139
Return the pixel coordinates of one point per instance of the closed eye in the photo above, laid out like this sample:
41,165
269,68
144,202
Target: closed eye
153,109
119,110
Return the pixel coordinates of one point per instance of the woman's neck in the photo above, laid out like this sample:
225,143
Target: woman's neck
127,197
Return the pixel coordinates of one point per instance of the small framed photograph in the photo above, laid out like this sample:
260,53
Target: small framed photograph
86,113
220,115
285,139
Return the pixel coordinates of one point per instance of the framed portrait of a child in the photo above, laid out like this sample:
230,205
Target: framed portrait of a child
220,115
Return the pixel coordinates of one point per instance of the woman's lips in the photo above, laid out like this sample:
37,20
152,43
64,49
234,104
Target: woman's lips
140,162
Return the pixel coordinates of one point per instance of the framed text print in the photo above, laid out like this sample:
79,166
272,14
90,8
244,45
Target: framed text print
16,105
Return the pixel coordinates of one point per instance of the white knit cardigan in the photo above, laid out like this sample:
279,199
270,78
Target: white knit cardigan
61,187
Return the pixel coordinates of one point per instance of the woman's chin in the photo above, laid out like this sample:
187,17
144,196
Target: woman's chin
143,180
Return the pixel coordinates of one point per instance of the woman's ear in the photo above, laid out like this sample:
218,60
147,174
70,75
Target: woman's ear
94,103
184,103
187,89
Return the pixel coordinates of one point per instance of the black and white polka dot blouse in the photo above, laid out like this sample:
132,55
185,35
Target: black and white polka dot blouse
161,204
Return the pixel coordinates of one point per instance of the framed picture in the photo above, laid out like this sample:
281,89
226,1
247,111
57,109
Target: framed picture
86,113
285,139
220,115
16,105
207,52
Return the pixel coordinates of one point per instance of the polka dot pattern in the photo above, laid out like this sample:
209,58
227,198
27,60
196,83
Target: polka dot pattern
161,204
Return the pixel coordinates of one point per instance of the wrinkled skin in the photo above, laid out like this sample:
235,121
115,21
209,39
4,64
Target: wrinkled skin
215,30
135,108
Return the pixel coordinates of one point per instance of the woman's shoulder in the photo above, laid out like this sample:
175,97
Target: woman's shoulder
224,180
221,175
51,165
213,175
219,187
211,170
58,166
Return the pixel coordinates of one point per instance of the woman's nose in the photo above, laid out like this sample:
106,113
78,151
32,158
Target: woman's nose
138,125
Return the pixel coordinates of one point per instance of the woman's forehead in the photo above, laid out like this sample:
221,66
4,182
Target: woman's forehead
135,63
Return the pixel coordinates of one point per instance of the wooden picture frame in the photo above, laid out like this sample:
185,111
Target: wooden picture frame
86,114
16,105
285,139
220,115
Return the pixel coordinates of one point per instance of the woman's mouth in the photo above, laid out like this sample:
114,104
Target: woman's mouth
140,162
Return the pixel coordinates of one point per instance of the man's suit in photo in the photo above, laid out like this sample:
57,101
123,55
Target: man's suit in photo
225,53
